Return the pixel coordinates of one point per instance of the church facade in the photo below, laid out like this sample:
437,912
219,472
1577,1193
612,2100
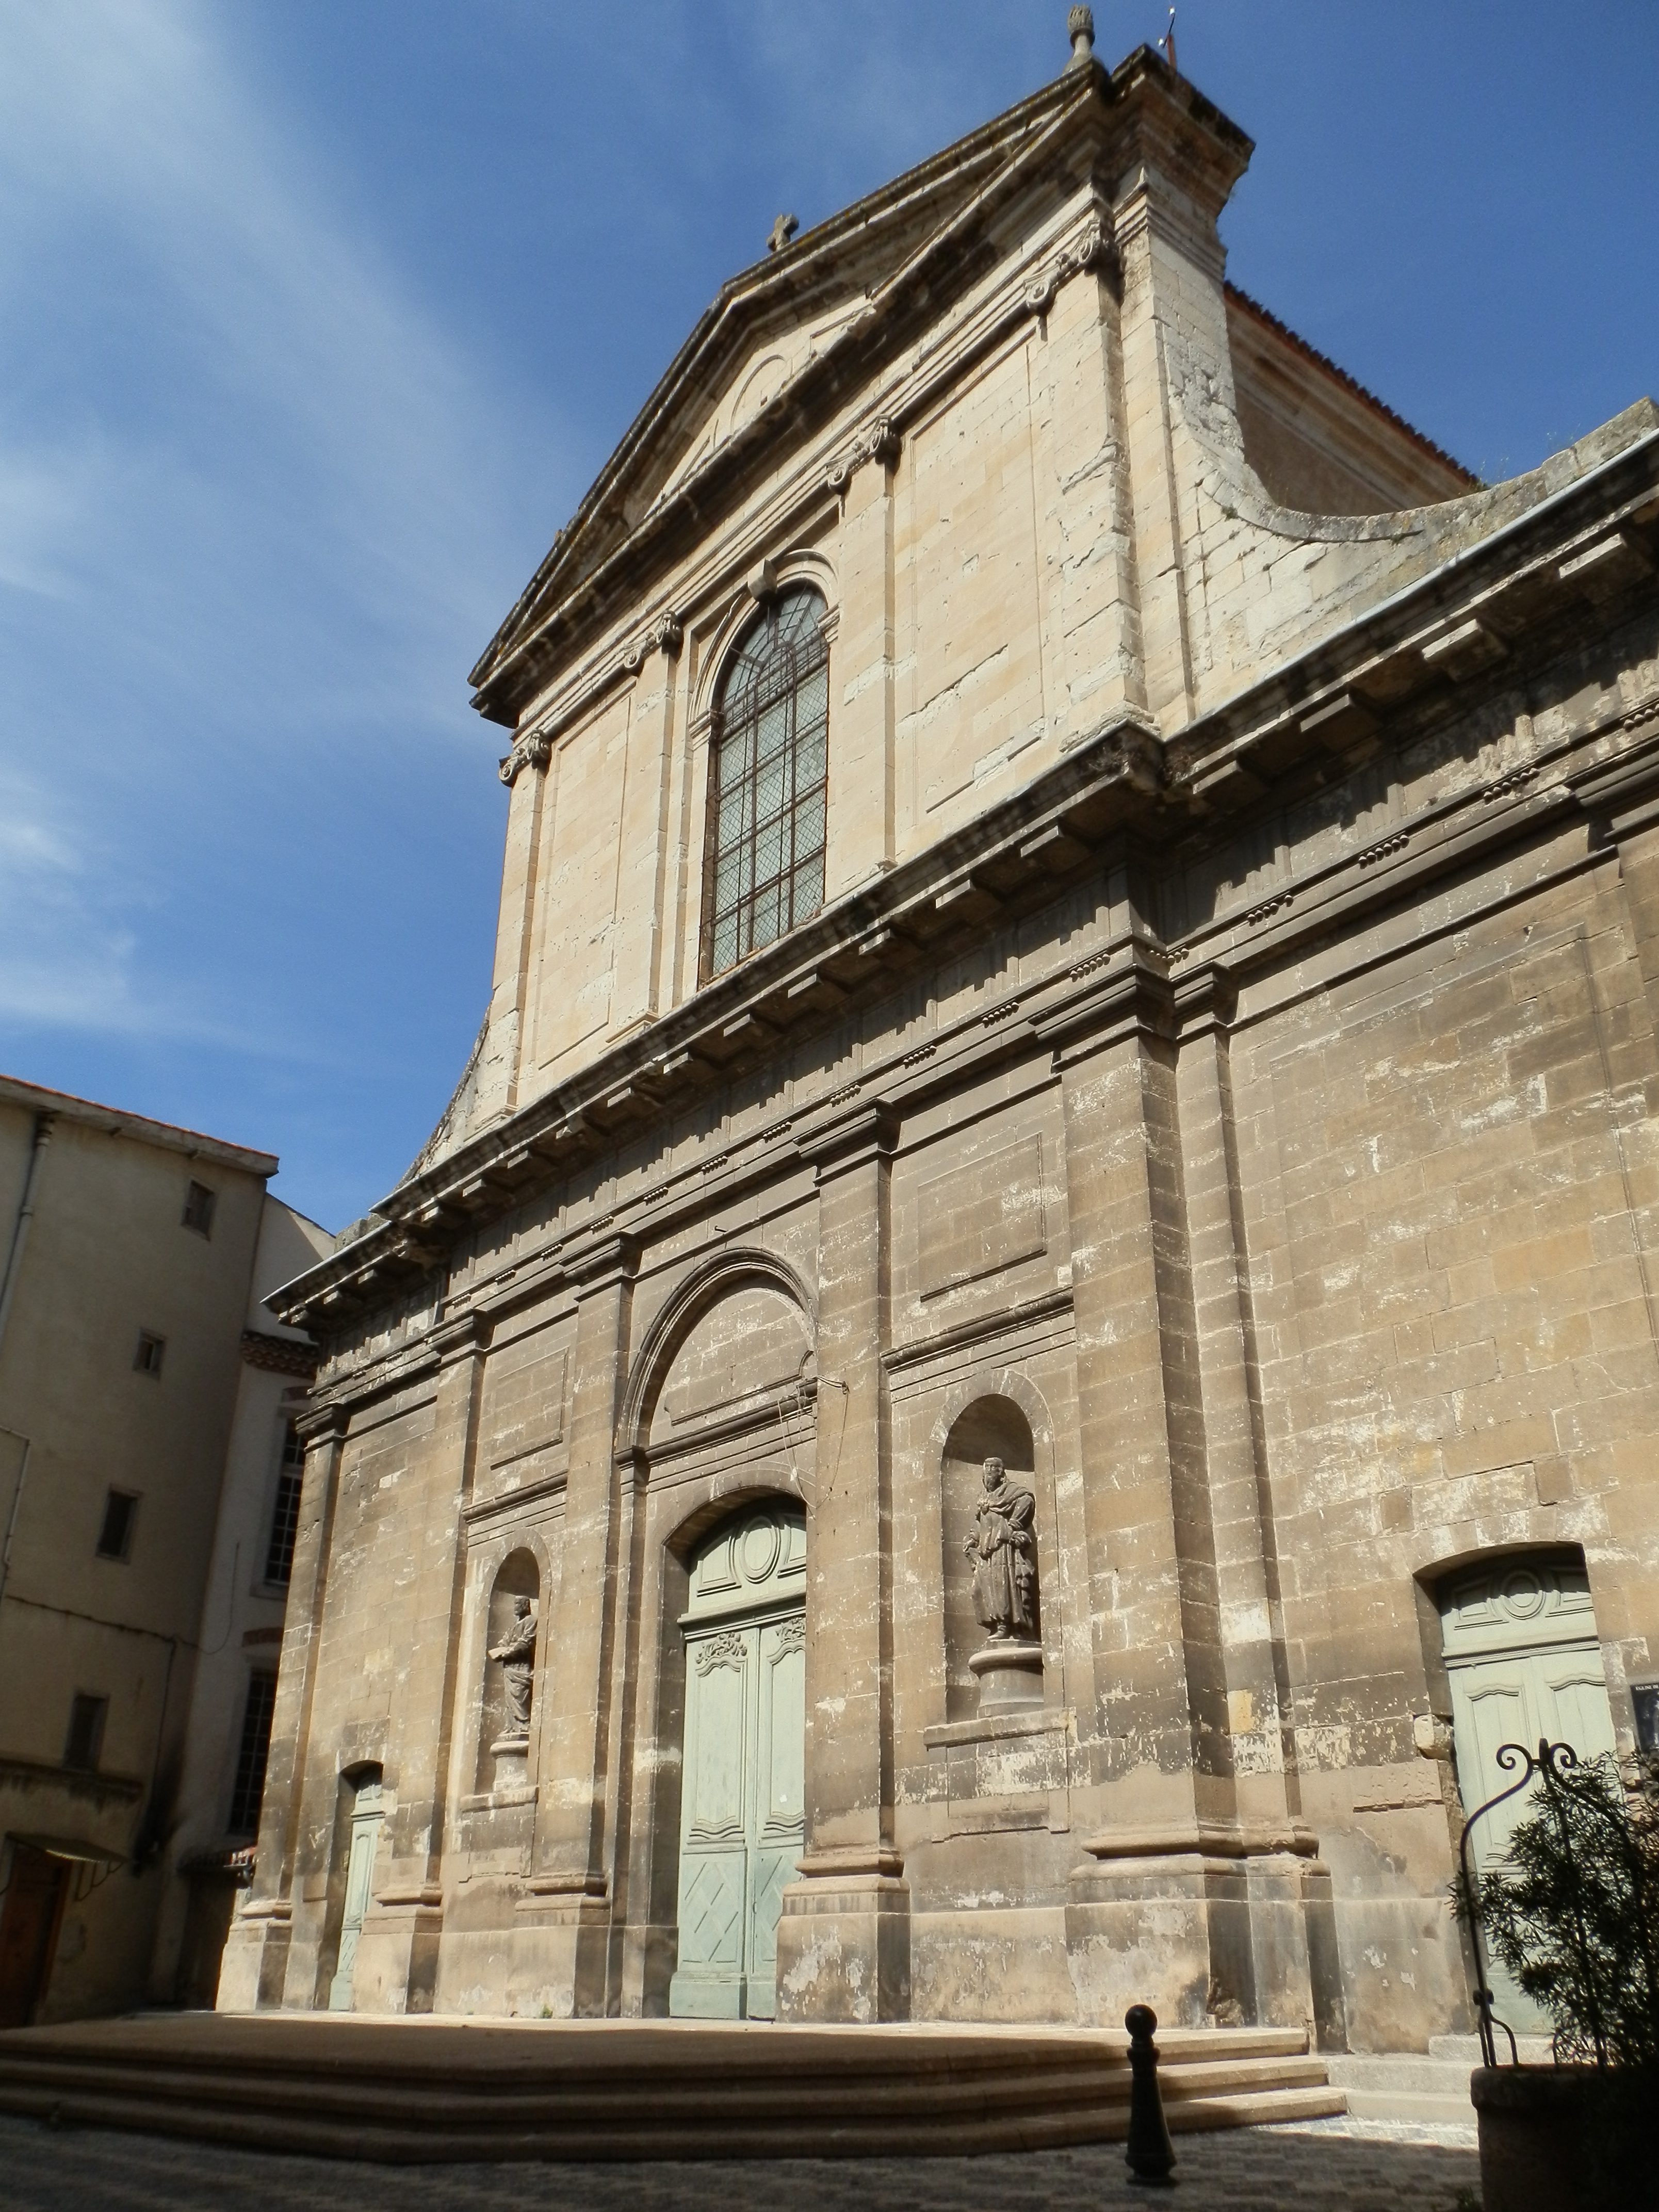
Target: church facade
1033,1329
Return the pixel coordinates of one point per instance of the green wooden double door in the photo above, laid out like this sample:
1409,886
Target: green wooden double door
741,1824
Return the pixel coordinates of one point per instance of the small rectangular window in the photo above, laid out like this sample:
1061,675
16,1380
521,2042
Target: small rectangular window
199,1202
252,1755
115,1537
285,1513
148,1357
86,1732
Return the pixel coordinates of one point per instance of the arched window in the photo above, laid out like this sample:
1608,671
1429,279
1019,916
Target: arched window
766,785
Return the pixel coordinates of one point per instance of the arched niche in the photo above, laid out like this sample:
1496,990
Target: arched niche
502,1754
744,1350
992,1426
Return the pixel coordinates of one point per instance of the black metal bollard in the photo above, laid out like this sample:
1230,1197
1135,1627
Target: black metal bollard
1150,2155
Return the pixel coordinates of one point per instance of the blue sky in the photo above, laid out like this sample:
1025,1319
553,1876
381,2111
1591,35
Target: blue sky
317,317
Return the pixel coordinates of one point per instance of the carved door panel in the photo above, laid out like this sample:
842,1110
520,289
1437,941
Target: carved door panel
778,1826
742,1786
719,1671
359,1876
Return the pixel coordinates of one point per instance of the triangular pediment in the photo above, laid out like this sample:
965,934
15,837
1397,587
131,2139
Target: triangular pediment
767,330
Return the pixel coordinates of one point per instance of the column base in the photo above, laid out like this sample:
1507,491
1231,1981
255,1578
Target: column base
561,1952
1216,1923
396,1969
254,1969
844,1940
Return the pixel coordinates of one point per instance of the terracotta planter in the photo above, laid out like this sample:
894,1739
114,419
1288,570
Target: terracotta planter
1559,2139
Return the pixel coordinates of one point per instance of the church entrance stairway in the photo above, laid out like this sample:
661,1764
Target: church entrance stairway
411,2091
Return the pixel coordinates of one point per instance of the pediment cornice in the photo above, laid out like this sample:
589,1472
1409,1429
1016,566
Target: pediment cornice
909,251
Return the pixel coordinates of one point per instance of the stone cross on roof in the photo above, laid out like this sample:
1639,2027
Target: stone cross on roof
782,232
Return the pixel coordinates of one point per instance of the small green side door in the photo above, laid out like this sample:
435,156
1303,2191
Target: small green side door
359,1876
741,1814
1523,1662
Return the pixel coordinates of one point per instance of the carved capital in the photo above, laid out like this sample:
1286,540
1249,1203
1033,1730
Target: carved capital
880,442
1091,249
533,751
666,636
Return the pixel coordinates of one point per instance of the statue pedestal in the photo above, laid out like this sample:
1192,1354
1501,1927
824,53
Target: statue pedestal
512,1754
1009,1676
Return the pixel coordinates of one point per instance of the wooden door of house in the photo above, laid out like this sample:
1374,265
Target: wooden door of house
1524,1662
741,1811
359,1880
29,1916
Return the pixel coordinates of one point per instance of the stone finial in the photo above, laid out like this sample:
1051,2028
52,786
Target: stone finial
1080,30
782,232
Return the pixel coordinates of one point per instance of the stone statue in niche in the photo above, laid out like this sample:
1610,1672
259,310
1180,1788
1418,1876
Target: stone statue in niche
516,1653
1003,1549
1004,1553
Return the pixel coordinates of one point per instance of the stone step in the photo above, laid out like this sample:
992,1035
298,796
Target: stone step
1533,2050
416,2090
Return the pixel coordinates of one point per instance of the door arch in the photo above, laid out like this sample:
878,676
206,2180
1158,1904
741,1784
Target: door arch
1523,1661
743,1773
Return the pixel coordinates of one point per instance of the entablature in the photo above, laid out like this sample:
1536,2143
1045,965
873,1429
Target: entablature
1120,792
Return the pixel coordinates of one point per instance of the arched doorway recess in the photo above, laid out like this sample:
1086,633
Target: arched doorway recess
742,1793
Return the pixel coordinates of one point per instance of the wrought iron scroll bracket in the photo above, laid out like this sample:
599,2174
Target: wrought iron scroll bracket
1549,1760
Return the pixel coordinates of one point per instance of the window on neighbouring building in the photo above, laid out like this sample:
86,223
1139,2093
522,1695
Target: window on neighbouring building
148,1357
199,1202
115,1536
85,1739
285,1513
254,1750
766,783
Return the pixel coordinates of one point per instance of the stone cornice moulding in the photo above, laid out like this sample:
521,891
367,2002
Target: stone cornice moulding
961,1336
666,636
719,575
1087,105
1277,708
1086,120
851,1139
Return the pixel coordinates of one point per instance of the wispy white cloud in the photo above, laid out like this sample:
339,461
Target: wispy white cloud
251,498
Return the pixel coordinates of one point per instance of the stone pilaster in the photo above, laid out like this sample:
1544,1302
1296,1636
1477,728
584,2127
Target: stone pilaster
1177,360
1153,1914
254,1974
502,1049
640,951
844,1937
859,822
397,1962
561,1942
1091,614
1291,1965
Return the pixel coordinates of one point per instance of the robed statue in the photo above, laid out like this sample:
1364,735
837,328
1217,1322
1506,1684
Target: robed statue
1004,1553
516,1653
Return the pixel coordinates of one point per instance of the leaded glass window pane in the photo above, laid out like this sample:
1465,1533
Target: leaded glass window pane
767,816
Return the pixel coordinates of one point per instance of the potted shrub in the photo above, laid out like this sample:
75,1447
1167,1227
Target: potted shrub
1574,1916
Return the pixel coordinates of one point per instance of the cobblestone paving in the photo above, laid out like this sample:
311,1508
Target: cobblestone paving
1325,2166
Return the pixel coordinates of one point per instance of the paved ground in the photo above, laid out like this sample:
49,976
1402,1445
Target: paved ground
1323,2167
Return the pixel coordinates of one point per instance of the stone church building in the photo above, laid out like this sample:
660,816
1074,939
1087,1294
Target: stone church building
1033,1328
